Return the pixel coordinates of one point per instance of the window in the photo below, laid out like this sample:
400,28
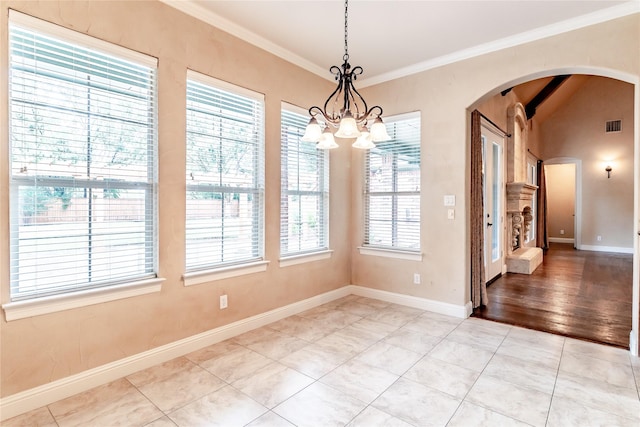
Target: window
532,178
225,174
304,203
83,162
392,187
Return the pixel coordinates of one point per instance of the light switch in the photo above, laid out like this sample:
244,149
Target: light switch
449,200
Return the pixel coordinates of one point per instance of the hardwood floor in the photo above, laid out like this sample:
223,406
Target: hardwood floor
579,294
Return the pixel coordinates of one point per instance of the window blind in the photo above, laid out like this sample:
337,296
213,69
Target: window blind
83,163
225,174
304,197
392,187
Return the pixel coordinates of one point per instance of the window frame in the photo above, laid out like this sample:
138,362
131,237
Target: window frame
322,159
77,293
201,273
394,250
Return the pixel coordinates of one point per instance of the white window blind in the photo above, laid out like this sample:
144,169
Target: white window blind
225,174
83,162
392,187
304,197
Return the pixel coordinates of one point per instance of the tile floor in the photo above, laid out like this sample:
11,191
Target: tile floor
363,362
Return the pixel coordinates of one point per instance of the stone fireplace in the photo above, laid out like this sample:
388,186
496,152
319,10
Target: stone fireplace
519,198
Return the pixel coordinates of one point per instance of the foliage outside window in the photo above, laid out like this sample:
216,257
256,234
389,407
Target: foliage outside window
304,203
225,174
392,187
83,162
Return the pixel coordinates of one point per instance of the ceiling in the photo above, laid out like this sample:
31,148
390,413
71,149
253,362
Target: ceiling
394,38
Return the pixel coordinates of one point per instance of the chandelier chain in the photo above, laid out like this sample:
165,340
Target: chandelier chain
346,31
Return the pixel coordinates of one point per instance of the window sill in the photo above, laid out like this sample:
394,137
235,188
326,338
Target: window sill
304,258
197,277
51,304
391,253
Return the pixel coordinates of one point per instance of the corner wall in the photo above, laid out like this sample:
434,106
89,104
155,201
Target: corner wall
38,350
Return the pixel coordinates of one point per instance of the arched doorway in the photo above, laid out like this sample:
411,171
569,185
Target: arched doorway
633,81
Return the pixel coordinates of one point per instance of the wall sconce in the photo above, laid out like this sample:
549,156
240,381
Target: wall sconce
608,169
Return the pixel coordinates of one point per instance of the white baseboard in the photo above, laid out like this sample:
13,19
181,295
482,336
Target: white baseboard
616,249
37,397
561,240
461,311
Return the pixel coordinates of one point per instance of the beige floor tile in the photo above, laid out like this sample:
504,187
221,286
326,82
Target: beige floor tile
175,383
270,419
394,359
409,339
259,334
161,422
530,352
439,326
212,351
520,372
597,351
314,360
567,412
375,417
358,308
40,417
337,319
596,394
469,414
319,405
465,356
226,407
277,345
378,328
443,376
478,334
394,316
112,404
417,404
524,404
359,380
598,369
303,328
235,364
273,384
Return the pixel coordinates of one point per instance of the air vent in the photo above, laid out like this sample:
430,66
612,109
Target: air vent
613,126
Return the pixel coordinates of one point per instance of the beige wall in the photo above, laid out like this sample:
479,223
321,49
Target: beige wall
577,130
445,96
41,349
561,194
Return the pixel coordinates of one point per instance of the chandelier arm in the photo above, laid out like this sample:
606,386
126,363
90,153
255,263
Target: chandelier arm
364,103
375,107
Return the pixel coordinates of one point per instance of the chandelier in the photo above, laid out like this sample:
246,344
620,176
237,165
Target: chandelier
346,110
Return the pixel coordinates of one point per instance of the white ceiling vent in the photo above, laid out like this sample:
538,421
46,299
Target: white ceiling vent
613,126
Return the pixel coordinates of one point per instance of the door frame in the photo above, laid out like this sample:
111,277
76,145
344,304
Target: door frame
484,123
577,220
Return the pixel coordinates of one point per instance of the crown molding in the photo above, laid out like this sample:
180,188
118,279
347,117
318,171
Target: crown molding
197,11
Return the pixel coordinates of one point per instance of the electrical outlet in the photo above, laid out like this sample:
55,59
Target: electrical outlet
599,238
223,302
416,278
451,214
561,231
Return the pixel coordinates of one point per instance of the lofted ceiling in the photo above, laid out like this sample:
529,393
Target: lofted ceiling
394,38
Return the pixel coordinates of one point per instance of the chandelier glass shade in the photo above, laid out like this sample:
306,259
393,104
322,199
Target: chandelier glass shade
346,110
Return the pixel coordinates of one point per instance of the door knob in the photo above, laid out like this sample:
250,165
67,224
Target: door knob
489,224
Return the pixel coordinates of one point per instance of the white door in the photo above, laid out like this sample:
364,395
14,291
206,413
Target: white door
493,189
